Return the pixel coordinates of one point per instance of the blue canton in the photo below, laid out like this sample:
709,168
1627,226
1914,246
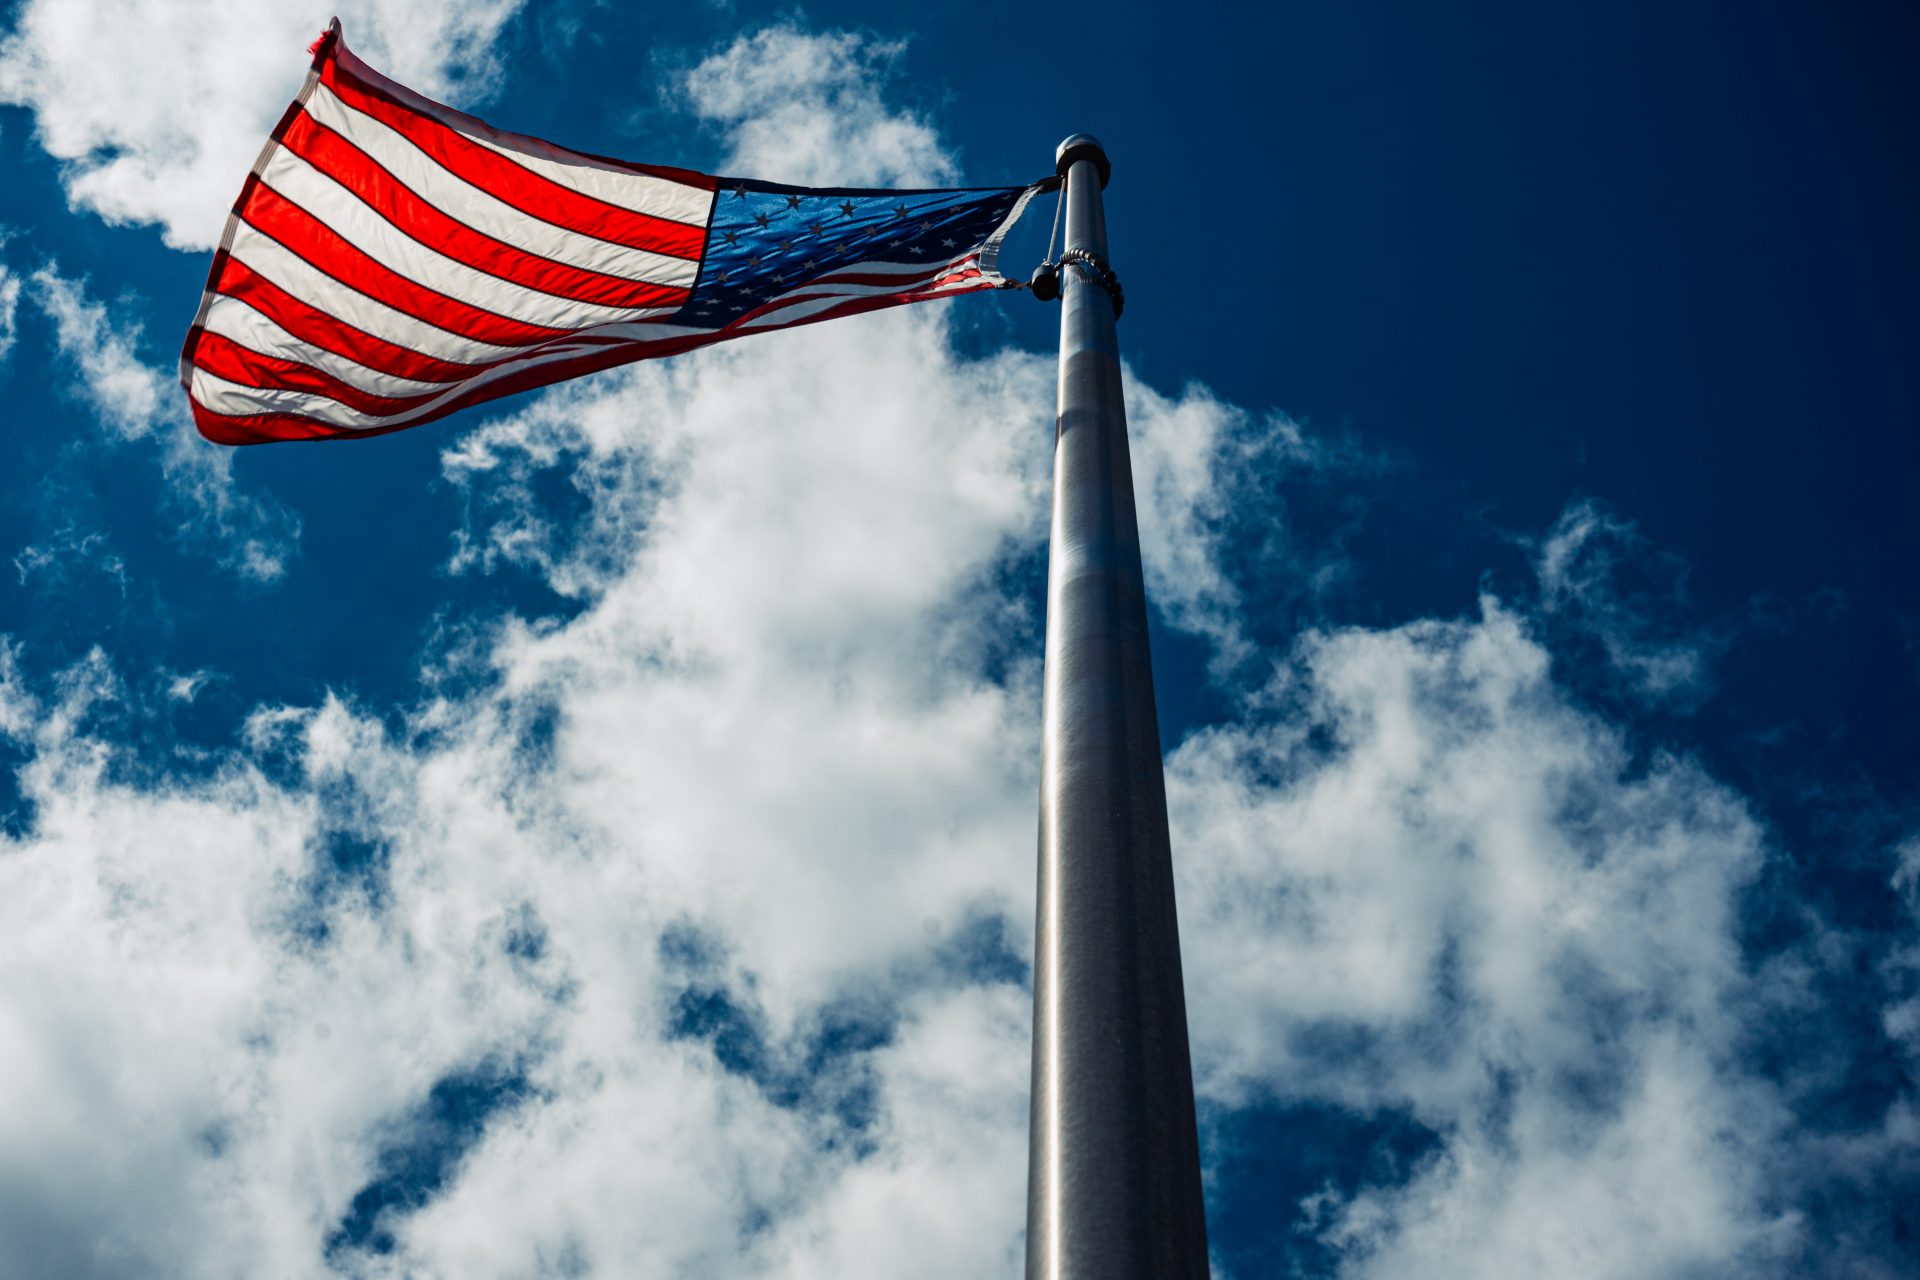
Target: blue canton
766,240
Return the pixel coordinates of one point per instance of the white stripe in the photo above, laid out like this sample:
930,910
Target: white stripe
358,224
869,268
819,295
461,200
231,318
640,193
317,289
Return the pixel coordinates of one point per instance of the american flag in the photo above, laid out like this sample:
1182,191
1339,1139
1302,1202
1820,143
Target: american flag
391,260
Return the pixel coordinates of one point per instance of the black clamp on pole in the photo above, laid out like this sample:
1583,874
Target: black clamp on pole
1045,281
1100,273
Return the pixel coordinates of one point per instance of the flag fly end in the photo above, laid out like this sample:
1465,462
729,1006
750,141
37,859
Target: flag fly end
318,49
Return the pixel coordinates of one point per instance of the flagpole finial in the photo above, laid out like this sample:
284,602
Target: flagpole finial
1082,146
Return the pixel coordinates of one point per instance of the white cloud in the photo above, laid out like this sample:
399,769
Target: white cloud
69,547
1436,887
770,725
1212,521
1668,1185
9,307
138,402
807,107
794,589
1902,1015
157,111
125,393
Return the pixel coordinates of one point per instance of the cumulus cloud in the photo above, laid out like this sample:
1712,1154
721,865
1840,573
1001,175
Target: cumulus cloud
156,111
1438,888
685,945
135,971
137,402
808,107
798,583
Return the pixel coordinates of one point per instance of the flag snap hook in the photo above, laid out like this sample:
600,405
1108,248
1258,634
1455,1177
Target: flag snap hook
1099,272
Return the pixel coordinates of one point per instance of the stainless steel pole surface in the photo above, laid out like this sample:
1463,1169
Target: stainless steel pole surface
1113,1189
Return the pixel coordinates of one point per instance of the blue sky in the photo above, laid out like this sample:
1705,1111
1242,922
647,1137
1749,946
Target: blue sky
592,836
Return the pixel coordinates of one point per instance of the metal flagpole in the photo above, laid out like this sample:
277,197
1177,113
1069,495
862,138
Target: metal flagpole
1113,1189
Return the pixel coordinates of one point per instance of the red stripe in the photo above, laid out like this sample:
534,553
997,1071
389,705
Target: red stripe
261,428
324,249
353,169
514,184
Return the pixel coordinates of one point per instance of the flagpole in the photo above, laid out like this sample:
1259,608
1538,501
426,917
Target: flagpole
1113,1179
